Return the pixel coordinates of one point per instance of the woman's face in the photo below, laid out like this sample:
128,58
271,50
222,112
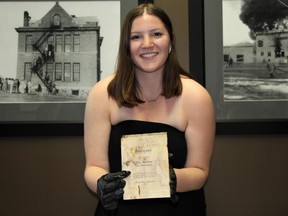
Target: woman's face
149,43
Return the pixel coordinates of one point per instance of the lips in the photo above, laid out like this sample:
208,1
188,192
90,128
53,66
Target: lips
149,55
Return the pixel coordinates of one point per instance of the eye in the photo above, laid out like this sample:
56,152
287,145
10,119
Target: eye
157,34
135,37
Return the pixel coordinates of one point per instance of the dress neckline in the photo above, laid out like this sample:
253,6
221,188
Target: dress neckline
132,121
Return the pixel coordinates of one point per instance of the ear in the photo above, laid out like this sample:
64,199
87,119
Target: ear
172,41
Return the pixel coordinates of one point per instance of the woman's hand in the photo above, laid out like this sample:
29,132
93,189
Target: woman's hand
110,188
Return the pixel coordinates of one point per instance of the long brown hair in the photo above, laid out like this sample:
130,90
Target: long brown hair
123,88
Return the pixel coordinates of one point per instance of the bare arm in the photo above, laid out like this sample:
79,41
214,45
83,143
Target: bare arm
199,133
96,134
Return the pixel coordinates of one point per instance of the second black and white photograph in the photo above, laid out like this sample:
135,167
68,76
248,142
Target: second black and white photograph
255,49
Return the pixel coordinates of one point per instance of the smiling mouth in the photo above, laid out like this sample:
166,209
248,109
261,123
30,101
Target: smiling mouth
149,55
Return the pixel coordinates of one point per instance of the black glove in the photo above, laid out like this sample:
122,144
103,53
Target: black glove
110,188
173,182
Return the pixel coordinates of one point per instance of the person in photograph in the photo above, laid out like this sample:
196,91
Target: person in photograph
149,92
39,88
29,87
22,86
11,84
5,85
1,83
230,62
47,78
271,68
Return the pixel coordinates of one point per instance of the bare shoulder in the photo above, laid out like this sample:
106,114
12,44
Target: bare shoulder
99,90
98,99
194,90
197,105
196,99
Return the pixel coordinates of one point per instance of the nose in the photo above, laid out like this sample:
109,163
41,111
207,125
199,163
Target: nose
147,42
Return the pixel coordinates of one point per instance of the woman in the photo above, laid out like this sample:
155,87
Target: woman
149,92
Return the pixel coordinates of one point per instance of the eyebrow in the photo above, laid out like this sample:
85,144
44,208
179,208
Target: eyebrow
157,29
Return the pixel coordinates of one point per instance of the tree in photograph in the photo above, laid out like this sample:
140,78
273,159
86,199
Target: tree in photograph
278,46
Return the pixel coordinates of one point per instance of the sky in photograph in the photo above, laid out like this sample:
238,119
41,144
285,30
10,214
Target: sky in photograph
234,30
11,17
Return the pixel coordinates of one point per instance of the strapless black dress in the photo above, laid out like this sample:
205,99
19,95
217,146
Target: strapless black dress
190,203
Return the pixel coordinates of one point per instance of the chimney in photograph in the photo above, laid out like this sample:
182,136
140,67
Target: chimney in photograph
26,19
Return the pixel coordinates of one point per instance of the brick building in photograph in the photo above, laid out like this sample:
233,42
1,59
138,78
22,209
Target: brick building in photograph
59,53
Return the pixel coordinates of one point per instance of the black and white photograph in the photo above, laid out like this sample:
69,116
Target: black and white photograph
246,52
52,53
255,49
55,51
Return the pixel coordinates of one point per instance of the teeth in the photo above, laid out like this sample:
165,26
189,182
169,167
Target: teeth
148,55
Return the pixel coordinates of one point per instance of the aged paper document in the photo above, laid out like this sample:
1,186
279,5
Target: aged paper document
146,156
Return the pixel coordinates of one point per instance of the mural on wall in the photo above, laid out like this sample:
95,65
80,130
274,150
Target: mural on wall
56,51
255,50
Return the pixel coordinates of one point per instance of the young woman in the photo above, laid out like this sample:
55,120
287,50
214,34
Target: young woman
149,92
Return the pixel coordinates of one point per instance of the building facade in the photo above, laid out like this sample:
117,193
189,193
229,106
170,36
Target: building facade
240,53
268,45
272,45
60,53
